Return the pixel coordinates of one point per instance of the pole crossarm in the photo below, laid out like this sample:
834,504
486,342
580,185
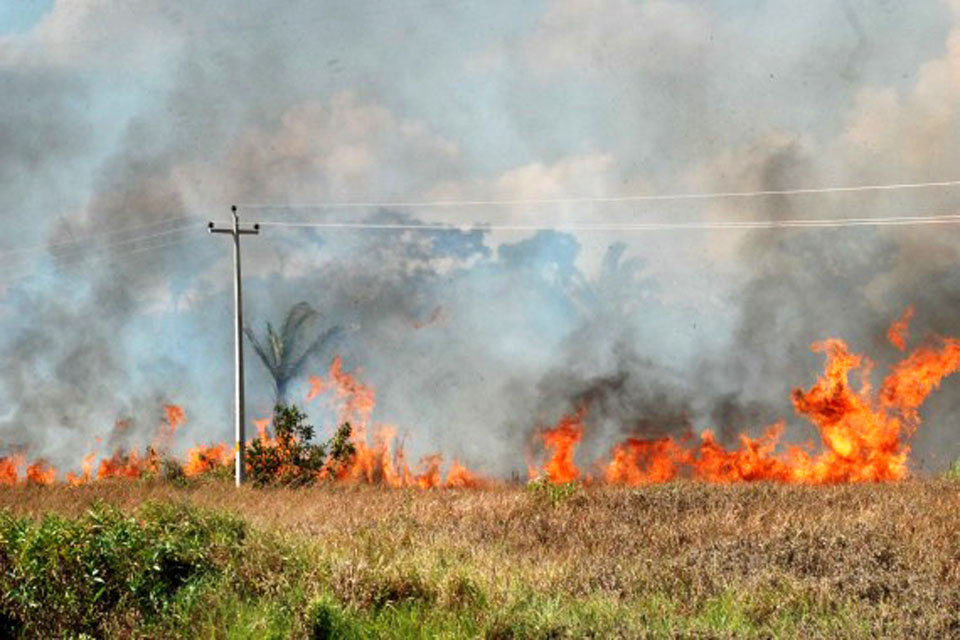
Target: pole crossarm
236,230
253,230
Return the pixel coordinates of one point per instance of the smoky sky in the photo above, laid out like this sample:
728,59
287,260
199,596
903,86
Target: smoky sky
126,126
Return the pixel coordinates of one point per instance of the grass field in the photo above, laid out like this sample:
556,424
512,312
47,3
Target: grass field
151,558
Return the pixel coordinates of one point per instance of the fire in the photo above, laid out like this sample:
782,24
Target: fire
8,469
41,473
356,399
899,330
635,461
87,472
863,433
459,476
173,418
262,425
206,458
127,465
379,458
561,441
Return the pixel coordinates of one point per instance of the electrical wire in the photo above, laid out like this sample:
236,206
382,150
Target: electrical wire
796,223
598,200
99,258
89,237
80,256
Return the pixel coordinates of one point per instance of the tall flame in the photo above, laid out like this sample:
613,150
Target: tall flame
378,457
863,433
561,441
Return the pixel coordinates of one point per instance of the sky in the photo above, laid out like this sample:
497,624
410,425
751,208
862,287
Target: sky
126,126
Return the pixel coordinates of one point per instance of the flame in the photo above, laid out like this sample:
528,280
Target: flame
863,433
635,461
127,465
206,458
356,399
379,458
87,473
899,330
460,477
8,469
262,425
41,473
561,441
173,418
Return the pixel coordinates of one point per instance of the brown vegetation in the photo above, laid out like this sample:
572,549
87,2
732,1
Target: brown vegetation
849,560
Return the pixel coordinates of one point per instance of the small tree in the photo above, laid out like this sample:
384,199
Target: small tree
290,458
284,353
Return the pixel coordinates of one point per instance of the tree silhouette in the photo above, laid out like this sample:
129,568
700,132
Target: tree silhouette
285,353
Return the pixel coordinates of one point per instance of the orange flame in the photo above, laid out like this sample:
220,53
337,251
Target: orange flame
262,425
173,418
899,330
863,434
561,441
635,461
203,458
378,458
461,477
87,472
9,466
127,465
41,473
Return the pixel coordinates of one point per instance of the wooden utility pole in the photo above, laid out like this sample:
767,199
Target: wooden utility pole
236,231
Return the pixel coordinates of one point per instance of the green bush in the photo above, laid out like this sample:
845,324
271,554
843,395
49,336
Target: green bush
543,490
67,577
290,458
328,620
953,473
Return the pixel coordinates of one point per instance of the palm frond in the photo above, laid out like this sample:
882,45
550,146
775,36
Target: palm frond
279,352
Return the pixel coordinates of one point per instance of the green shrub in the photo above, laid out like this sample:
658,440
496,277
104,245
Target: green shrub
329,620
67,577
953,473
543,490
290,458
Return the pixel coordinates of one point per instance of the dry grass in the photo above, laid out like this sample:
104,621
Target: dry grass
675,559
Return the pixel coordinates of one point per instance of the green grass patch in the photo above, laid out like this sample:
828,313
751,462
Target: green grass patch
163,568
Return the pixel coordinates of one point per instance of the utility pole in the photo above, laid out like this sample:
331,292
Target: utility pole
236,231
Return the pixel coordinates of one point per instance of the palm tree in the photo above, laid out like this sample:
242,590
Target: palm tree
281,352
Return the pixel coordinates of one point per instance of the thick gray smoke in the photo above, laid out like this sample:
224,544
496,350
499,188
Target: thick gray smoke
471,339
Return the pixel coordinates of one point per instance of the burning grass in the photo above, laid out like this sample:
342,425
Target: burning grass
680,558
864,437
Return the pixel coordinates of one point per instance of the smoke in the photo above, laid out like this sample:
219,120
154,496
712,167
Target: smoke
471,339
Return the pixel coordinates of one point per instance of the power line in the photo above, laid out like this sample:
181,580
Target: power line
797,223
77,258
81,251
98,258
598,200
88,237
135,240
